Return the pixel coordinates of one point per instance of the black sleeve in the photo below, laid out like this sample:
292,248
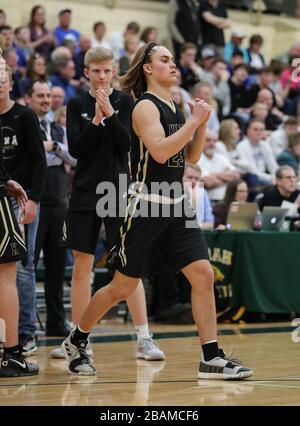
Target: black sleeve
80,140
36,153
120,126
4,176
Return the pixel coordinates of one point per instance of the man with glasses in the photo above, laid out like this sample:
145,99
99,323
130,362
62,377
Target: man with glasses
283,190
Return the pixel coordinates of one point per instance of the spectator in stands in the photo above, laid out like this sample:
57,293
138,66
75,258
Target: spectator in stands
11,58
177,97
198,196
260,111
149,35
274,117
116,40
229,137
35,70
291,155
204,90
237,190
279,139
99,40
257,155
239,95
217,170
53,208
42,40
64,78
255,59
214,20
22,40
183,24
264,81
234,46
208,55
131,46
57,101
285,189
63,31
85,44
184,93
286,57
190,71
8,33
219,77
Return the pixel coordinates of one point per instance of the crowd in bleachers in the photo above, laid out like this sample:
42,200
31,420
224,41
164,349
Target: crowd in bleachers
253,128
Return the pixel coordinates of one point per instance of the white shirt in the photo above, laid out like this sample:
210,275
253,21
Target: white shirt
217,164
278,141
102,43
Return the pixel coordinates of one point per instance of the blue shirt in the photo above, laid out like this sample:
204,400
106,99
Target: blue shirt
68,88
60,34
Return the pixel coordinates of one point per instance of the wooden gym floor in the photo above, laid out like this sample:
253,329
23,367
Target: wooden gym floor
122,380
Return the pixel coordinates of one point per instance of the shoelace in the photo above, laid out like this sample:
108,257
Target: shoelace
149,343
229,358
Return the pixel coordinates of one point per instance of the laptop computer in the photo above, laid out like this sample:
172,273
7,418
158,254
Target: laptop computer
272,218
241,216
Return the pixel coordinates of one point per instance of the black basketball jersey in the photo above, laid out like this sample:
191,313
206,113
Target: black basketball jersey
145,170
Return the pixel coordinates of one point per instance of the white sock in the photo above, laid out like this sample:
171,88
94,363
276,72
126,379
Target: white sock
142,332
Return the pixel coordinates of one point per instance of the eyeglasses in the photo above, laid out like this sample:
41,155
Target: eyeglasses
289,177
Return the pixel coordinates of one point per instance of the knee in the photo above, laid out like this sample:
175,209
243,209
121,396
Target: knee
204,278
121,290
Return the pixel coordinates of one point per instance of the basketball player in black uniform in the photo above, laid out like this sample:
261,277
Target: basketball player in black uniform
12,250
160,144
98,127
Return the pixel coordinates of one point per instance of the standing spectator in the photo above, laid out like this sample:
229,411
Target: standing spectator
255,59
63,78
279,139
131,46
116,40
183,23
57,101
219,77
53,209
217,170
24,160
214,20
257,154
291,155
42,40
63,31
35,70
149,35
99,40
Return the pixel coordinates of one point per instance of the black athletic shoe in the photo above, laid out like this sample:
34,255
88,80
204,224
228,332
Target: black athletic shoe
15,365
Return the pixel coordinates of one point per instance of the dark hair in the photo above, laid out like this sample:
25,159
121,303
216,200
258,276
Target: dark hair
30,66
291,121
256,39
231,191
32,13
98,24
238,66
2,12
30,87
133,26
146,32
186,46
134,80
294,140
253,120
5,27
217,60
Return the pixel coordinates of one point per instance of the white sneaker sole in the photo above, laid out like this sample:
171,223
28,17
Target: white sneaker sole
157,357
221,376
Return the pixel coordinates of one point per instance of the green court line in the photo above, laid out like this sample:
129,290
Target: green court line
172,335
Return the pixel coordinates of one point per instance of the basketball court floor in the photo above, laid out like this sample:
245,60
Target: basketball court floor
122,380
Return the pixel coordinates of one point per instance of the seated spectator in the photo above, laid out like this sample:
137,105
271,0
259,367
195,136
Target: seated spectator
265,78
57,101
131,46
293,52
63,31
42,40
255,59
279,139
176,96
237,190
235,46
9,35
257,155
59,54
85,43
274,117
198,196
237,59
116,40
229,137
204,90
99,39
11,58
149,35
191,72
35,70
217,171
260,111
184,93
22,40
283,190
214,19
291,155
208,56
219,77
239,95
64,78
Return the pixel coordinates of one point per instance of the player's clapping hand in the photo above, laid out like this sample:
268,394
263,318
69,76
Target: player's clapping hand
200,110
103,101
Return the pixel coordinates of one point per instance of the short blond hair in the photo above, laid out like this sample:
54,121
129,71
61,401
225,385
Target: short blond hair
97,54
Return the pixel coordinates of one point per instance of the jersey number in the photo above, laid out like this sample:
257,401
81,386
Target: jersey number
177,160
